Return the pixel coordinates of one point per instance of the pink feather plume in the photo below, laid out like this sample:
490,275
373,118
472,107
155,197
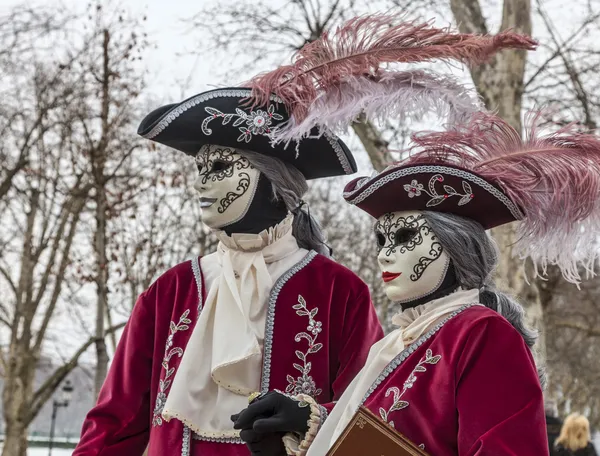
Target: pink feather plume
360,47
555,180
401,95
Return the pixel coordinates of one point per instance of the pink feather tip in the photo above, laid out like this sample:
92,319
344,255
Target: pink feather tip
553,178
361,46
401,95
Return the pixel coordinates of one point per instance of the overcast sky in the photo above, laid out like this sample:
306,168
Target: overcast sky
166,29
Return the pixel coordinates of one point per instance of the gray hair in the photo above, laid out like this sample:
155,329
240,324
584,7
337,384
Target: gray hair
289,185
474,255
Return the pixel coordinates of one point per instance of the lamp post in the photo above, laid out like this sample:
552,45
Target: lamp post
67,389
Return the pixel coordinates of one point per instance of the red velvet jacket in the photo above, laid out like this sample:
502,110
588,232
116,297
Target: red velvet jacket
320,326
469,387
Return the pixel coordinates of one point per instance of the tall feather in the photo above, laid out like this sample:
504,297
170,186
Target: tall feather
555,179
361,46
400,95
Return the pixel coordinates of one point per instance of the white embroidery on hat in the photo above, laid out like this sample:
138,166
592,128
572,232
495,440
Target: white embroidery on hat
257,122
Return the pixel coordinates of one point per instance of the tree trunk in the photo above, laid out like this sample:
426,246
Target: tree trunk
101,284
98,164
22,360
109,323
15,442
18,388
371,139
501,82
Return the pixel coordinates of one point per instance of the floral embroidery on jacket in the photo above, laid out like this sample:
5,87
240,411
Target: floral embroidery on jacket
398,403
305,384
415,189
257,122
165,383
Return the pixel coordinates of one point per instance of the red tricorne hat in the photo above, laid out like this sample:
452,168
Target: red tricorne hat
439,188
485,171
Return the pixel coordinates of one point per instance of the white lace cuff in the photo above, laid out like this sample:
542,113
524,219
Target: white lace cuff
297,445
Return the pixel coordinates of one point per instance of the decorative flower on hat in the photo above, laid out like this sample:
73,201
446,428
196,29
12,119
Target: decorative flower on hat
259,121
413,189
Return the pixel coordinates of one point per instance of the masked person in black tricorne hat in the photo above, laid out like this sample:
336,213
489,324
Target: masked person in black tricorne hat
268,310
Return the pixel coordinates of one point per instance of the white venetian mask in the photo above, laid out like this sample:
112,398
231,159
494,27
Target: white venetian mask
226,183
412,261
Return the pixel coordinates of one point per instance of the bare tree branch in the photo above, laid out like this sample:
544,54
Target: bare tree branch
574,75
588,330
45,391
73,212
574,36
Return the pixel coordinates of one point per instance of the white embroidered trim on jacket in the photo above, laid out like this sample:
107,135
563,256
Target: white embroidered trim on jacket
183,325
305,384
185,446
165,383
401,357
270,321
398,403
233,440
198,279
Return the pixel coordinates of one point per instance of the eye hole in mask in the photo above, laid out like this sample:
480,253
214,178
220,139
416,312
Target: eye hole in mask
380,240
219,166
403,235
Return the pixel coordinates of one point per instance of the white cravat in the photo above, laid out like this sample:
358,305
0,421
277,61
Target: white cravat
222,362
412,324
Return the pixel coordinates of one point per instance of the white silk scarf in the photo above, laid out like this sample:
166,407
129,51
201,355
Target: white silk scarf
222,362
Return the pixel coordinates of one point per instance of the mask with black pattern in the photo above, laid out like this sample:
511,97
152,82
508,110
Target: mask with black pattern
234,195
413,263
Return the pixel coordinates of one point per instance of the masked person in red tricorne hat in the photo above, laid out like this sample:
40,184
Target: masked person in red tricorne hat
457,376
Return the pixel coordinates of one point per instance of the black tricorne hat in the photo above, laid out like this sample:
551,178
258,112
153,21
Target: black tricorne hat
222,117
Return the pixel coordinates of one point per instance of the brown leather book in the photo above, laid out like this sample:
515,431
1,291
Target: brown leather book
367,435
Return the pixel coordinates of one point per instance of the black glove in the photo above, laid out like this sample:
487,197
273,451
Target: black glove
274,412
263,444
